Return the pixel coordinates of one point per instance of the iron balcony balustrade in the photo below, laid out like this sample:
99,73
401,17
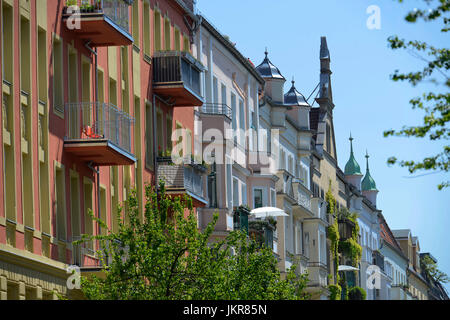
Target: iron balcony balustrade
303,208
176,78
378,259
262,231
183,179
98,133
217,109
284,185
346,228
102,22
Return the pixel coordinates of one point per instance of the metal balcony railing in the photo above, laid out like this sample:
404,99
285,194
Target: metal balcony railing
96,120
187,177
114,10
172,67
217,108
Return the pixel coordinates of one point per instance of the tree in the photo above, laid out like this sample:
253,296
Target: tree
430,268
434,104
163,256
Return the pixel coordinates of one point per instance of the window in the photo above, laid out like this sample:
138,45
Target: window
241,123
235,192
60,208
257,198
135,12
273,198
7,43
58,89
234,114
306,244
243,194
229,181
328,137
167,34
224,94
177,39
186,44
146,28
25,57
157,30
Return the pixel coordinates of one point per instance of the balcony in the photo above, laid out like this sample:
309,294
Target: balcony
346,228
184,179
98,133
101,22
176,78
217,109
262,231
302,209
240,219
378,259
318,274
284,185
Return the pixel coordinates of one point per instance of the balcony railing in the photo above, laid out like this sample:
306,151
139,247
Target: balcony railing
378,259
217,108
262,231
346,227
184,178
98,19
176,77
95,125
284,184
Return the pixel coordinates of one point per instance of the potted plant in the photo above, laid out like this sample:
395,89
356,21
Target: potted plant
98,6
72,5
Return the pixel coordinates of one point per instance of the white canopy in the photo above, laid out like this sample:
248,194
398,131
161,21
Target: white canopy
347,268
268,212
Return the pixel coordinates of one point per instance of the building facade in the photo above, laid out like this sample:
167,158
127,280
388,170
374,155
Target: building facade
78,114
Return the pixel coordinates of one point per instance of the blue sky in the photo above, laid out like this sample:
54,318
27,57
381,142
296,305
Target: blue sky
367,101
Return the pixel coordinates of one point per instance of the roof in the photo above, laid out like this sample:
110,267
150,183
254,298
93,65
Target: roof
401,233
388,236
352,166
295,98
267,70
235,52
368,183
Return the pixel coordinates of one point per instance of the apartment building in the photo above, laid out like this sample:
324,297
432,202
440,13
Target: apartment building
396,263
82,96
226,127
418,287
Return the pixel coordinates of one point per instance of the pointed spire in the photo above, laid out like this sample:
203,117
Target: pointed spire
367,161
324,52
368,182
352,167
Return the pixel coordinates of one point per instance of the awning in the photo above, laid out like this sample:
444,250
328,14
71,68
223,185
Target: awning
268,212
347,268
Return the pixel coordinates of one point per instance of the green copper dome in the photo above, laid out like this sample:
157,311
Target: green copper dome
368,184
352,167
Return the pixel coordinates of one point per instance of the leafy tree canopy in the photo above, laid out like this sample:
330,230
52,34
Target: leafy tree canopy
164,256
435,105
